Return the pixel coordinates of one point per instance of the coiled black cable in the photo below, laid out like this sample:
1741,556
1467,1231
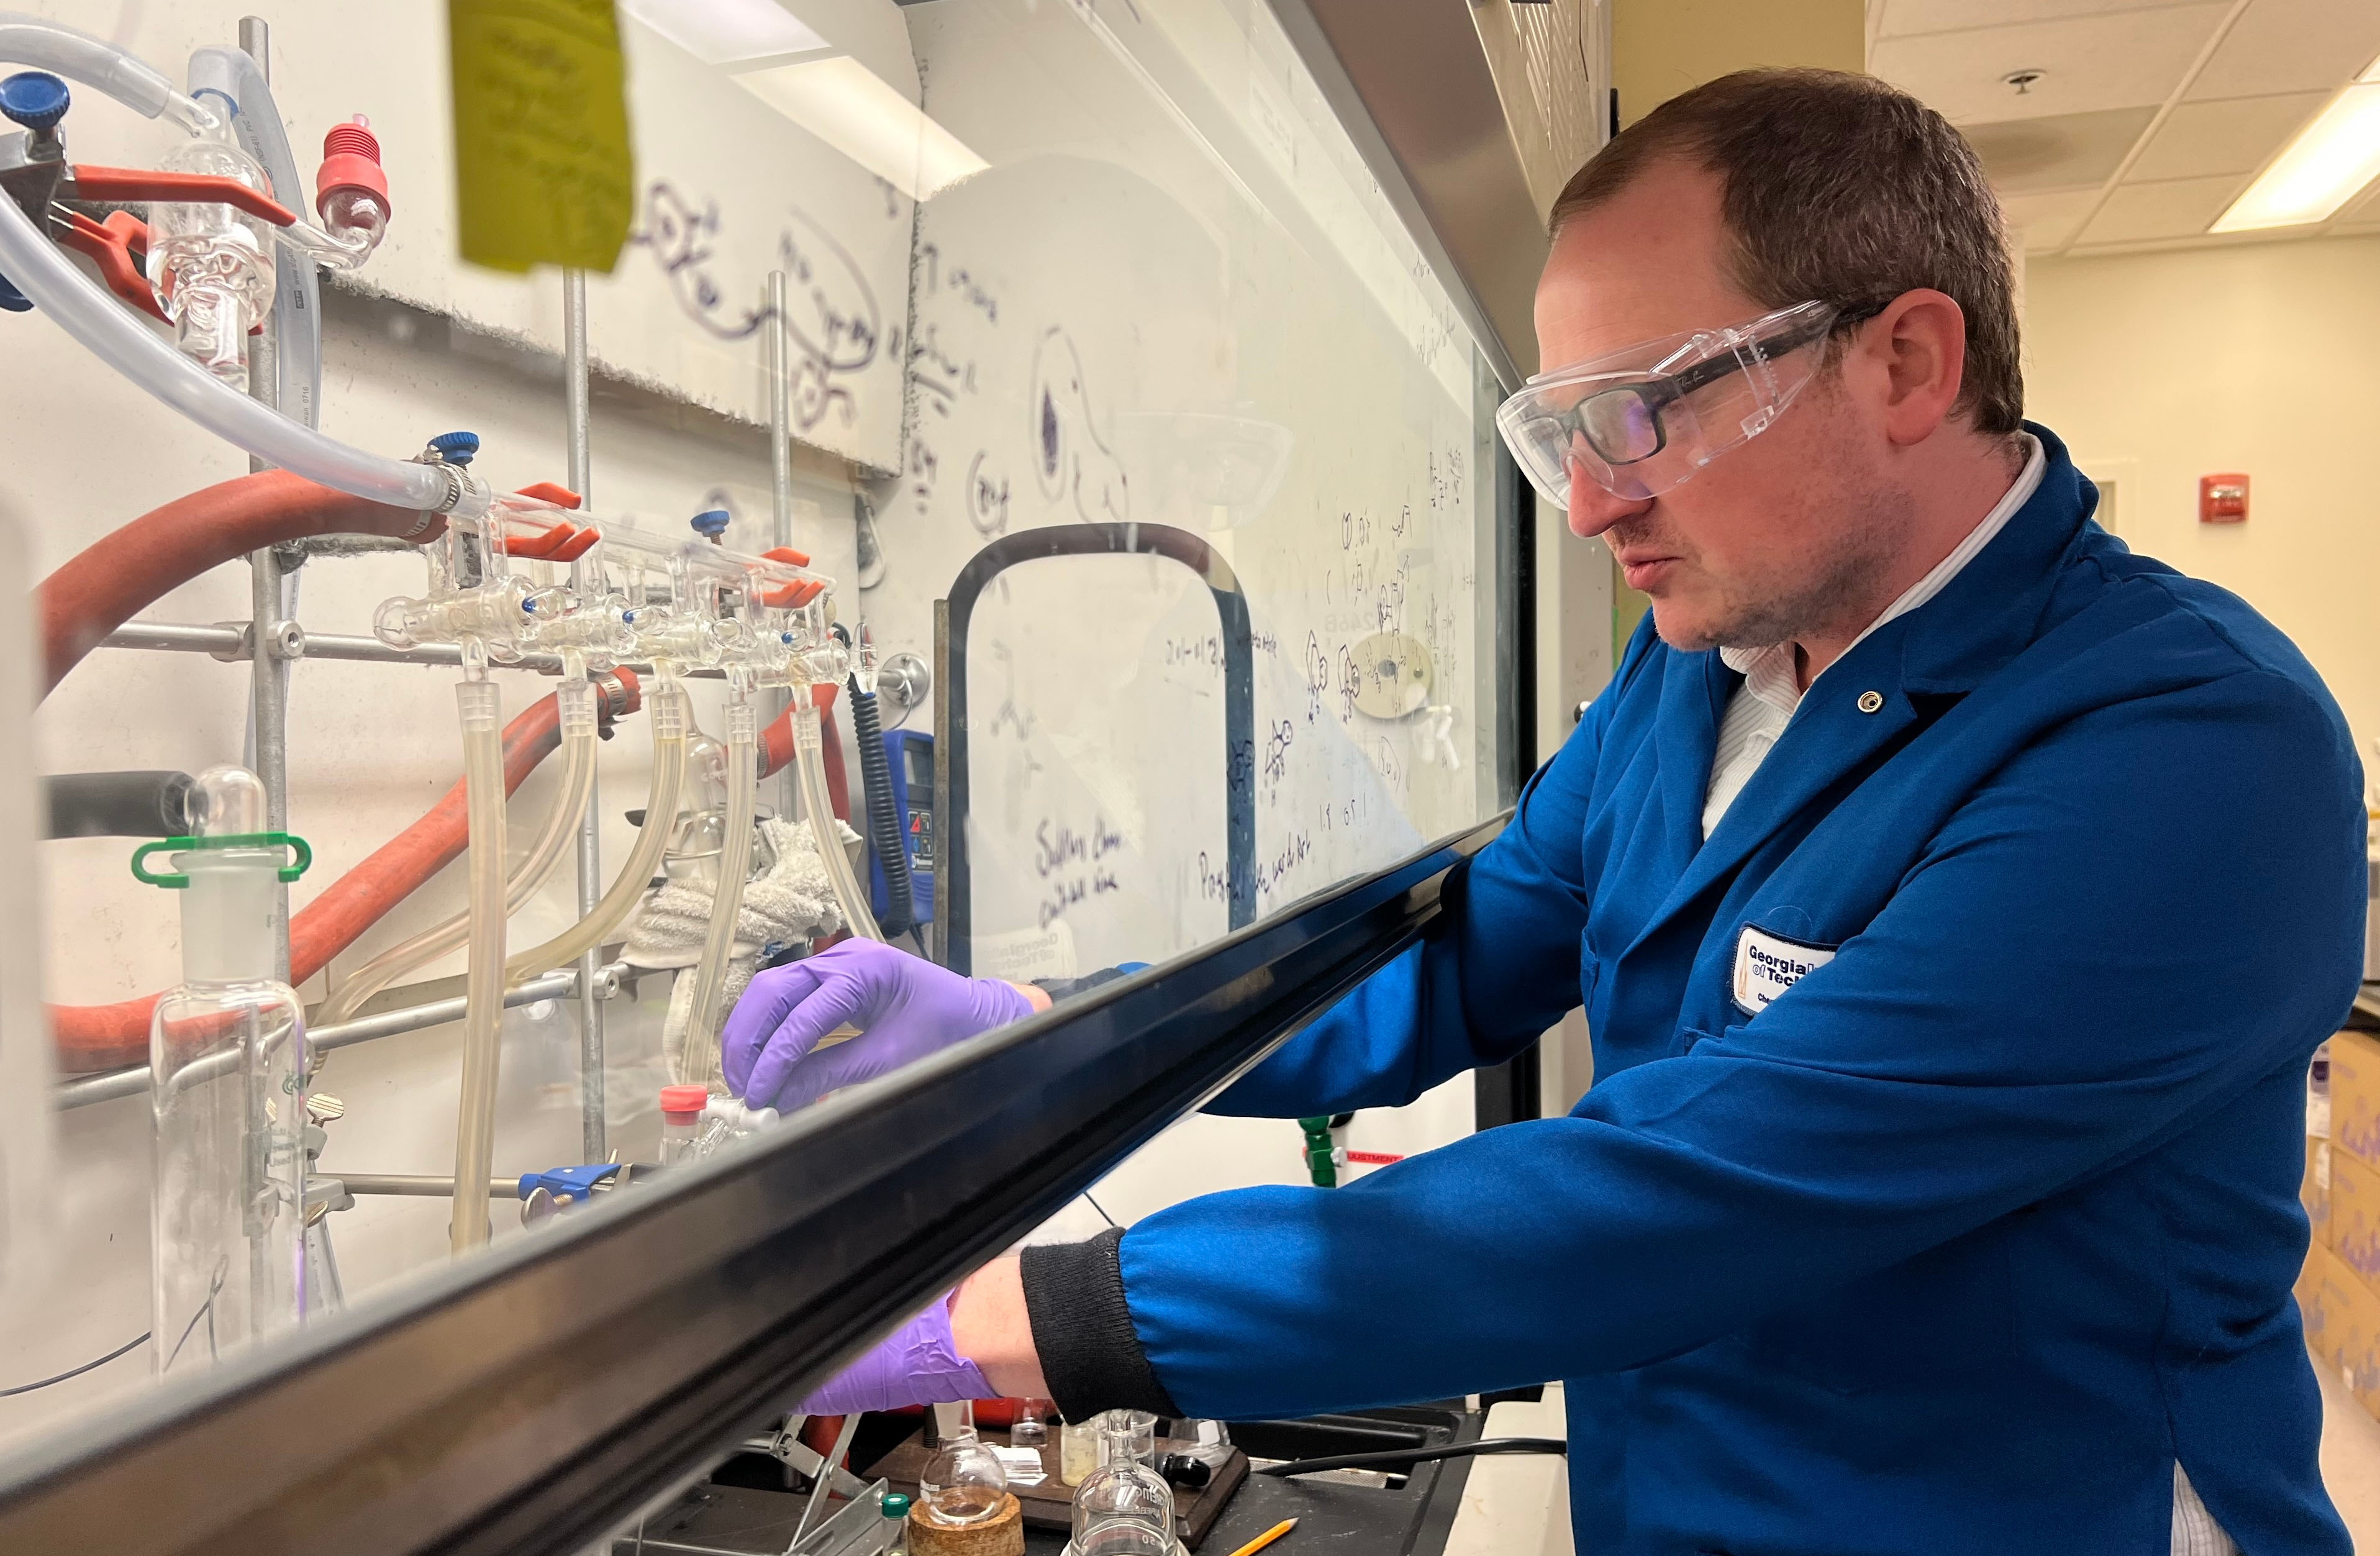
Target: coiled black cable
884,838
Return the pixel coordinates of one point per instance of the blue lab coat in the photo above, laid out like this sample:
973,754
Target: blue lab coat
1974,1231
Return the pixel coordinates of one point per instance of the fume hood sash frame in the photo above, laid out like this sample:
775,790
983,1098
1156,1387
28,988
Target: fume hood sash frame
531,1399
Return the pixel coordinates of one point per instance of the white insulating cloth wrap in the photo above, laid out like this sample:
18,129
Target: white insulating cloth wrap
792,905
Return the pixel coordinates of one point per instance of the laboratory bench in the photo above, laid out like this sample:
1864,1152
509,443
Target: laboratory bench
741,1513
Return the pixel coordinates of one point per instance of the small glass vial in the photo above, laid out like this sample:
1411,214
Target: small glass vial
1078,1450
1122,1508
1209,1443
895,1509
681,1121
1032,1427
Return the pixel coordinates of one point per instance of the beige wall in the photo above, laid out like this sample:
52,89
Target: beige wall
2162,367
1661,47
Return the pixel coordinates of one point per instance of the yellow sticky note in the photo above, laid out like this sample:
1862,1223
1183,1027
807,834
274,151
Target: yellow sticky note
543,169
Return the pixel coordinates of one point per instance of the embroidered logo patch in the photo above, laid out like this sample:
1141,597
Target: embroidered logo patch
1767,964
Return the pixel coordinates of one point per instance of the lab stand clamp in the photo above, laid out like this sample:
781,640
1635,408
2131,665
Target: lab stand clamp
205,259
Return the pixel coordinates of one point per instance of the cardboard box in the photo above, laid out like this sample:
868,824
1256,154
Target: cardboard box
2342,1325
2355,1217
2355,1096
2313,1193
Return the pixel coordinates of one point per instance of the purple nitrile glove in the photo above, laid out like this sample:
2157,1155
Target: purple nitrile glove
904,1007
916,1364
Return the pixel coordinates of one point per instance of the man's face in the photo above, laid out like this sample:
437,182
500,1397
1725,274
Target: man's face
1780,537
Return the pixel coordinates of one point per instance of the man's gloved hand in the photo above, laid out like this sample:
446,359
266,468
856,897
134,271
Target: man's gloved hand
904,1007
916,1364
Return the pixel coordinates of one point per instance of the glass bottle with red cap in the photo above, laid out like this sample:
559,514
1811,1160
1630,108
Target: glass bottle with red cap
681,1121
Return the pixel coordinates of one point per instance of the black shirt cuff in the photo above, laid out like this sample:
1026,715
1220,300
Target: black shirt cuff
1082,1328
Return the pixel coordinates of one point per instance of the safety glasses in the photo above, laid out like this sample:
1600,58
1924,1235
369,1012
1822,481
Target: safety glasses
1643,420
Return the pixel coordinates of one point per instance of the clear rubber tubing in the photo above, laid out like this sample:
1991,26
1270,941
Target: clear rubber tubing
809,764
665,705
577,702
98,63
700,1048
483,1015
113,334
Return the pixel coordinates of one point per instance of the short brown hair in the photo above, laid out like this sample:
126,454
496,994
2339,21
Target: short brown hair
1840,188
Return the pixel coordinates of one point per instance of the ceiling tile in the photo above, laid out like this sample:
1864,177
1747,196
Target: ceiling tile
2232,136
2292,45
2042,222
2068,150
1904,18
2178,208
2128,59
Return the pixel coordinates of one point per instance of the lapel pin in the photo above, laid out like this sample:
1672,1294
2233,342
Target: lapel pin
1869,702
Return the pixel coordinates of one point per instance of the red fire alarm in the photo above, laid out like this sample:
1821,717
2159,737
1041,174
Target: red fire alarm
2223,499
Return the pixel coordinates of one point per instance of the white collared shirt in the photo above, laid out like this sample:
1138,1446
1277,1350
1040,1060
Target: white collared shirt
1762,706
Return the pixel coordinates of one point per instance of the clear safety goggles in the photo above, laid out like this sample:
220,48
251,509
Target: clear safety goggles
1640,421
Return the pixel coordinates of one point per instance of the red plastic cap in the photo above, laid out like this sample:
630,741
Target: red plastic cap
350,161
684,1099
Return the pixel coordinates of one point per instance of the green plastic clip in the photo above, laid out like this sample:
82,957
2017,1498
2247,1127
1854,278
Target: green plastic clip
299,849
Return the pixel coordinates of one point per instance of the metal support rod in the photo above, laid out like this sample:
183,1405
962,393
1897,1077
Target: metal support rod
268,694
580,458
777,359
826,1478
414,1184
131,1081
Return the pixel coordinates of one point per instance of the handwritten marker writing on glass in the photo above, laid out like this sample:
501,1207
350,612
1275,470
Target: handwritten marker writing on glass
1267,1537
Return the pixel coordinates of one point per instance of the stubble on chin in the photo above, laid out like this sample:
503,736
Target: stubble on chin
1832,581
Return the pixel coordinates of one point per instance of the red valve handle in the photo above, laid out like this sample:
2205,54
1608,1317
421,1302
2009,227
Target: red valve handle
114,185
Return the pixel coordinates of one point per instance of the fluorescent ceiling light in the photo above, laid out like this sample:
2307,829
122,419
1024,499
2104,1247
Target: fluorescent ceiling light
2332,158
856,112
724,31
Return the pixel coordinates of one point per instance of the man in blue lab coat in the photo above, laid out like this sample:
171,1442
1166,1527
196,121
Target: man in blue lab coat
1955,899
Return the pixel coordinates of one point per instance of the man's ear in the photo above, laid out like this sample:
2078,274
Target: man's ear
1908,363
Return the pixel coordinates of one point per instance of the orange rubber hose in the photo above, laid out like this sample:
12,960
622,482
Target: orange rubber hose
115,578
107,1036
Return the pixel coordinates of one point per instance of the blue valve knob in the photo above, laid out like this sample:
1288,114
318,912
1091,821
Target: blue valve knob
456,448
35,99
712,523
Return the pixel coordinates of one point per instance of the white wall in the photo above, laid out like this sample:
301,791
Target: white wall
2162,367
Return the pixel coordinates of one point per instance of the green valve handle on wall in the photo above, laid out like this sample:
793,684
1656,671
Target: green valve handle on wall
302,855
1319,1159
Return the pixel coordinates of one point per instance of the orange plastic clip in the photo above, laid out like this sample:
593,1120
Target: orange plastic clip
787,553
550,492
111,186
110,245
542,547
577,545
